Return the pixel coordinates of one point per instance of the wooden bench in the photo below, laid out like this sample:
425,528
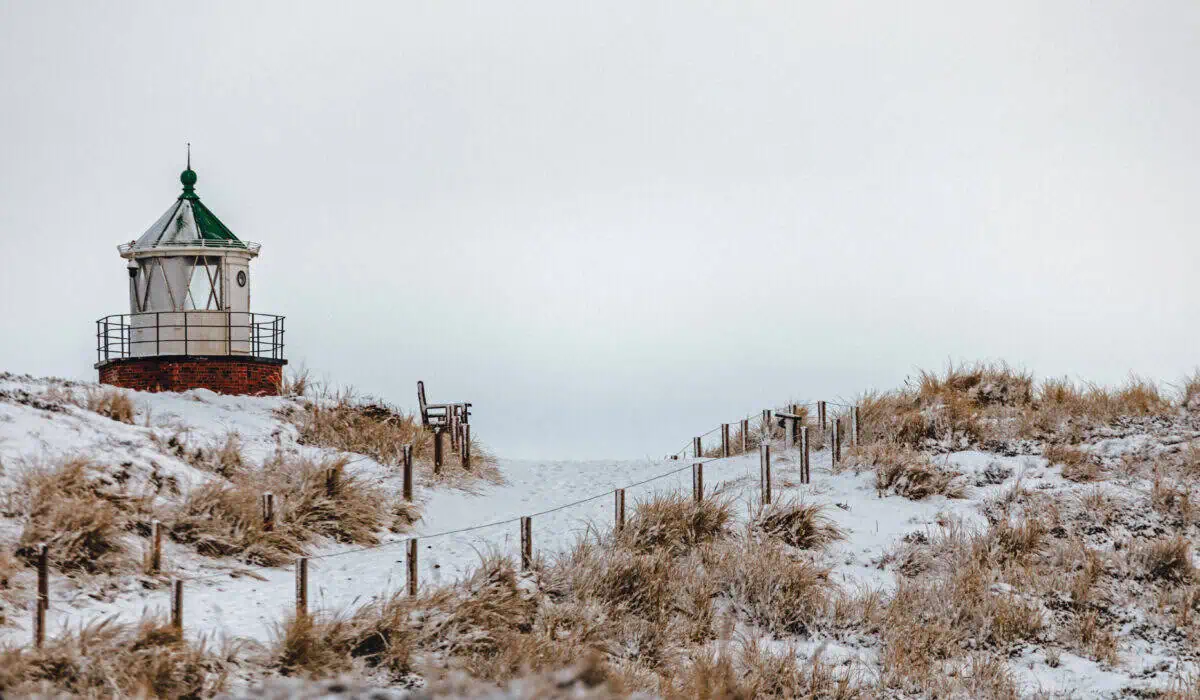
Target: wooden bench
441,415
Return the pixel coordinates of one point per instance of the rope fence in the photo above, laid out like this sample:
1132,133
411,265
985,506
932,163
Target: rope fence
795,435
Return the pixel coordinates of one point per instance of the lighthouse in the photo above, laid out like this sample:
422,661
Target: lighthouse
190,323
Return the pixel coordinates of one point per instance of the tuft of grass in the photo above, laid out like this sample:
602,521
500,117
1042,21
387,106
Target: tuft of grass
798,524
225,519
111,403
675,522
83,524
1077,465
1167,559
107,659
904,471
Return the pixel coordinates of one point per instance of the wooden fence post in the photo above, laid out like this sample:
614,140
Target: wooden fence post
805,477
696,448
155,546
789,432
177,605
412,566
835,441
453,411
408,473
854,426
302,587
526,543
698,482
821,414
745,435
764,465
619,509
43,595
268,511
724,439
437,450
768,430
465,449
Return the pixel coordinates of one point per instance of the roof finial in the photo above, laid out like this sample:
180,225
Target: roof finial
188,177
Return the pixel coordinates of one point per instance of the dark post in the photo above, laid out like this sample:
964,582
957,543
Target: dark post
465,449
764,459
619,509
821,414
526,543
745,435
412,566
177,605
331,482
437,450
805,477
698,482
696,451
301,586
724,439
408,473
155,546
268,511
43,595
768,430
835,441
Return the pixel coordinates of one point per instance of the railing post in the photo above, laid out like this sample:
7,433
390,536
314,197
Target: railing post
268,511
302,587
767,429
821,415
724,439
157,333
228,333
465,449
526,543
698,482
412,566
408,473
835,441
619,509
185,332
789,432
696,448
745,435
155,546
764,475
177,605
804,475
437,450
43,595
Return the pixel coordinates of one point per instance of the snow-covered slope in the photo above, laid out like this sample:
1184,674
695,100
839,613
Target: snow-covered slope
566,498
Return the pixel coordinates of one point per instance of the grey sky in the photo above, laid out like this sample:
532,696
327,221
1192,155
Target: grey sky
613,225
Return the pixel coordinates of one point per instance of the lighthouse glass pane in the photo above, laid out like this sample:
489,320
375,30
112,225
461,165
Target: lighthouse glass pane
204,290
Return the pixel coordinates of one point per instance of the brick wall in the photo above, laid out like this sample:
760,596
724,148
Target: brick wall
223,375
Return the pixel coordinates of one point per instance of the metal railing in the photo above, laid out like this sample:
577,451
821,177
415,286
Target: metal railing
194,243
233,333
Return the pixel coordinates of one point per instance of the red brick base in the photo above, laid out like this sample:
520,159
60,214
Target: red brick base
224,375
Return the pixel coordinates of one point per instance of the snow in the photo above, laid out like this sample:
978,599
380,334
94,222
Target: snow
226,603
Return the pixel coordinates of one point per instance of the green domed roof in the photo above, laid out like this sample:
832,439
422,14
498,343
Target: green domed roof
187,221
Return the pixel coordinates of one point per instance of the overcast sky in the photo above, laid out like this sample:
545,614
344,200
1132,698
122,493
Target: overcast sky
613,225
